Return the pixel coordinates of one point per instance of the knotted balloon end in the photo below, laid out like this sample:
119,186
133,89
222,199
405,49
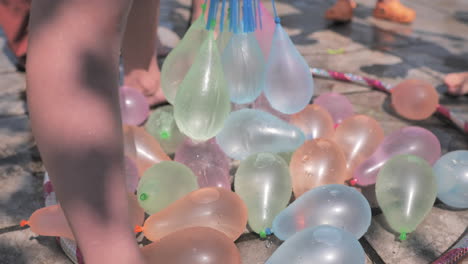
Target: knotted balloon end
277,20
24,223
403,236
268,231
143,196
165,134
262,234
353,182
138,229
203,7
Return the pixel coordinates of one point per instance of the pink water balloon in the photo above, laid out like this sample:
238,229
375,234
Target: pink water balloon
337,105
411,140
265,32
207,161
133,106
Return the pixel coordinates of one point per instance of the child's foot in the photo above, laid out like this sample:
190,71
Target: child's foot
395,11
147,81
457,83
341,11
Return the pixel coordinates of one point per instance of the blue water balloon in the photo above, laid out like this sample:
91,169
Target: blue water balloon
334,204
320,245
451,171
243,66
288,82
249,131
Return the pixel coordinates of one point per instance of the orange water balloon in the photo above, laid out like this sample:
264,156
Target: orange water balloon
415,99
358,136
195,245
317,162
143,148
51,221
212,207
314,121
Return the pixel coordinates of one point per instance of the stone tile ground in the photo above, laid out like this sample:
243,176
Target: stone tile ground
436,44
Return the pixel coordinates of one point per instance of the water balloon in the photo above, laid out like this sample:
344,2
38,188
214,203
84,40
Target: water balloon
334,204
250,131
163,184
263,182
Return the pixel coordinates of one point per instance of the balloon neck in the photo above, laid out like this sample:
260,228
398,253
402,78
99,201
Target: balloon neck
24,223
336,125
403,236
138,229
277,20
165,135
203,7
353,182
265,233
143,196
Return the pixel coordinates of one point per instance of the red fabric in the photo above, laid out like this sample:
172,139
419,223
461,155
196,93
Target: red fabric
14,17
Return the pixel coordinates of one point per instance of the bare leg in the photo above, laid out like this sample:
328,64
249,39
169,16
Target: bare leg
139,50
72,81
457,83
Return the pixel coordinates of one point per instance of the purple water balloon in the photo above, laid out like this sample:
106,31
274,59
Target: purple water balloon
337,105
261,103
131,175
408,140
133,106
207,161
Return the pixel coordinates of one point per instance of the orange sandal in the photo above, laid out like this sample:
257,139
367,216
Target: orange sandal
341,11
394,11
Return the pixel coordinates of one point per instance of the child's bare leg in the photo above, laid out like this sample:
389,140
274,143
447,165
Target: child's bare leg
139,50
72,78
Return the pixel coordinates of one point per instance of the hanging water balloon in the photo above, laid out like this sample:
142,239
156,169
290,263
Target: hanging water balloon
243,65
288,83
202,103
181,58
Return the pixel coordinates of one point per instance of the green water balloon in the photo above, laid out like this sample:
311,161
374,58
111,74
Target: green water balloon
263,182
162,126
181,58
163,184
406,189
202,103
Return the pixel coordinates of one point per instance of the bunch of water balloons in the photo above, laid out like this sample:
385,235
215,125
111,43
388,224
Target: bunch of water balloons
285,146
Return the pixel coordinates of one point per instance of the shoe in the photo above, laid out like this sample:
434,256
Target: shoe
341,11
394,11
